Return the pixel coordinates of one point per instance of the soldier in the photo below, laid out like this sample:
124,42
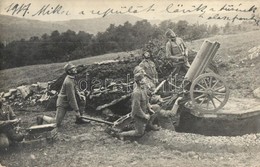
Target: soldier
69,96
149,67
140,108
176,49
139,111
167,118
8,123
149,85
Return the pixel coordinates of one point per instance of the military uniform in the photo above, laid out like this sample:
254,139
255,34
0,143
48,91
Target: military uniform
176,48
68,98
150,70
139,110
8,133
167,118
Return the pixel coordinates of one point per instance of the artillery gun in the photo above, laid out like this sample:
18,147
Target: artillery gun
108,85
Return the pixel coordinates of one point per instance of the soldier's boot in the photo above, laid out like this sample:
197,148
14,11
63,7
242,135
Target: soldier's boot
80,120
39,120
153,127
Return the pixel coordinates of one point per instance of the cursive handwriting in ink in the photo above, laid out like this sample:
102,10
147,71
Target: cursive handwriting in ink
124,10
180,8
233,8
233,19
17,8
48,10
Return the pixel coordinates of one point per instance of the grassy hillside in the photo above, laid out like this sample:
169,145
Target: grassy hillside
242,77
11,78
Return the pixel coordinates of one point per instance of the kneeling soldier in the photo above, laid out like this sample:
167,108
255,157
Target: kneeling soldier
69,96
140,107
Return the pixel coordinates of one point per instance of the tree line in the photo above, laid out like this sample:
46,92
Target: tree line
69,45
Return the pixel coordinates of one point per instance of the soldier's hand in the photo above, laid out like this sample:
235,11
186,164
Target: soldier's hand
181,58
147,116
78,114
18,121
82,97
87,93
178,99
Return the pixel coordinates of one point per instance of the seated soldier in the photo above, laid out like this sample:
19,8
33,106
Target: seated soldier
8,123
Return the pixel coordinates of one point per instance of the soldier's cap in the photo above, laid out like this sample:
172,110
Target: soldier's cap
138,76
147,52
169,33
138,69
69,66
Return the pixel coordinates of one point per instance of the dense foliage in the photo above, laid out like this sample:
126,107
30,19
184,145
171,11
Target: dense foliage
69,45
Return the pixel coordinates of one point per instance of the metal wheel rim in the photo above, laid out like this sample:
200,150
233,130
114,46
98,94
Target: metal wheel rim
205,96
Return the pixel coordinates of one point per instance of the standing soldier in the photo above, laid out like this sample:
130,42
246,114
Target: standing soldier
176,49
149,67
69,96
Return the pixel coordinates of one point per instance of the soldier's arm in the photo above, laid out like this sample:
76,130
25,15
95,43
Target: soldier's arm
184,46
80,94
149,106
6,123
137,105
168,50
176,106
71,95
12,114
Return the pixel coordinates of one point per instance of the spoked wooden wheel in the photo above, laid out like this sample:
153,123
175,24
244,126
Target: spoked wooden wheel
209,92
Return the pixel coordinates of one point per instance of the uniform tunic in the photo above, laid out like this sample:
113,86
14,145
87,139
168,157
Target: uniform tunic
175,48
6,113
8,133
150,69
139,109
67,95
139,103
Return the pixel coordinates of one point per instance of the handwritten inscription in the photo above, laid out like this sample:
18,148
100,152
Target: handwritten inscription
124,10
236,17
23,9
239,9
48,10
201,9
181,9
16,9
233,8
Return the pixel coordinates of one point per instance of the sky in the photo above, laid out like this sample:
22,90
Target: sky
146,9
